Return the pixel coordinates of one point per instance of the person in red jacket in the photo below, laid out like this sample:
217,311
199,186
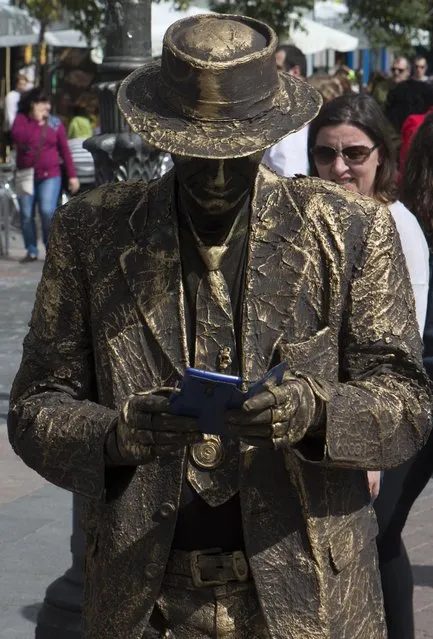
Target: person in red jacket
41,143
408,130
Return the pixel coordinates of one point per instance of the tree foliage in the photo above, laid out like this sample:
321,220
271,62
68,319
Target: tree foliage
84,15
392,23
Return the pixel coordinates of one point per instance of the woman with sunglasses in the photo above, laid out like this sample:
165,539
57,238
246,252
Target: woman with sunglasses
350,146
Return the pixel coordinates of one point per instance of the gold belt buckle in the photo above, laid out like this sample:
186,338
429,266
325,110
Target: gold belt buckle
208,453
196,573
234,562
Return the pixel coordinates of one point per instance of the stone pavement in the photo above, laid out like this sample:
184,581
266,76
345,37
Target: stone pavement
35,517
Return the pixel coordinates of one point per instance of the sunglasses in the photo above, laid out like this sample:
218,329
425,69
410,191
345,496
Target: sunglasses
420,66
398,70
351,155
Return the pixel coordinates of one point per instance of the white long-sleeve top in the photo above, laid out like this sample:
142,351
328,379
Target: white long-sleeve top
416,252
289,156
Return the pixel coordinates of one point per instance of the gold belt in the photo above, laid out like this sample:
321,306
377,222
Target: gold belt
209,567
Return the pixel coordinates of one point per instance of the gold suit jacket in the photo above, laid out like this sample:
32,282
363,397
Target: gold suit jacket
327,289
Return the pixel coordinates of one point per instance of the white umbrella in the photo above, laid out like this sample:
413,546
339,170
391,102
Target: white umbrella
163,15
328,10
314,37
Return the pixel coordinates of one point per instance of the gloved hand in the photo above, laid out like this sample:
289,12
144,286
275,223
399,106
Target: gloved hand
281,414
145,429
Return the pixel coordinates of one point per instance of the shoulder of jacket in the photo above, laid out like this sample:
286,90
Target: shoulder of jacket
314,190
113,198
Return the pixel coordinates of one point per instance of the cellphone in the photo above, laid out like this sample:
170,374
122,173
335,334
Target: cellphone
208,395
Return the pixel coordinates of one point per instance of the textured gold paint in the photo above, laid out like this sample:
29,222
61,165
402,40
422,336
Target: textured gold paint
218,42
327,289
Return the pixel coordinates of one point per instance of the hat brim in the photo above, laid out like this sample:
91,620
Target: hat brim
295,105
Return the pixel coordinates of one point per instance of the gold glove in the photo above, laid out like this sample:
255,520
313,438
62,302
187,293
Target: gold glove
282,414
145,429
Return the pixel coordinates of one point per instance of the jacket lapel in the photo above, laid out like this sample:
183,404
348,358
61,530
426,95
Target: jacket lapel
276,270
152,269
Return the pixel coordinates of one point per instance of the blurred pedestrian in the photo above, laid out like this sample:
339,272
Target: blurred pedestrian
80,125
416,190
408,130
420,69
400,69
12,100
41,144
289,156
349,145
329,86
378,87
407,98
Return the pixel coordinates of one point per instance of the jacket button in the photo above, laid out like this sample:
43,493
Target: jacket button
167,509
152,571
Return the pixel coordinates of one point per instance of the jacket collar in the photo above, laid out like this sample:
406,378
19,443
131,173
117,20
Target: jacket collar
275,270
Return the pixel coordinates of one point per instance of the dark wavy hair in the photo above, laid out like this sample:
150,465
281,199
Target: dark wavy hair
29,98
363,112
416,187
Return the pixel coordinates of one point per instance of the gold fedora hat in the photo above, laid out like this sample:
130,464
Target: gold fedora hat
216,93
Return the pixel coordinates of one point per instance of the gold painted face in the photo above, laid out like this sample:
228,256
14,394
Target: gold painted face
216,186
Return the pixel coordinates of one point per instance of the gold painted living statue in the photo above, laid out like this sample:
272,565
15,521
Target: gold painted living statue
264,529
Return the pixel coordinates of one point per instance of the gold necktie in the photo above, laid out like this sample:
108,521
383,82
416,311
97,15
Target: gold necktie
213,467
215,343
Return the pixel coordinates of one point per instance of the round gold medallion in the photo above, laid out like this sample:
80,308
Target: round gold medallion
209,453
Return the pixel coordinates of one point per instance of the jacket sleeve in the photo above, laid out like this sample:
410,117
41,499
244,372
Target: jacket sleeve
378,415
19,132
65,153
54,423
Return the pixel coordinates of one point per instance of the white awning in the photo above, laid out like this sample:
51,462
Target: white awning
315,37
66,38
16,27
163,15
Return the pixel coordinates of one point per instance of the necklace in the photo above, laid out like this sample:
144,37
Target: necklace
212,255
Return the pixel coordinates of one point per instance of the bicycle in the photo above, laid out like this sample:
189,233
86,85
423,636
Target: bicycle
9,207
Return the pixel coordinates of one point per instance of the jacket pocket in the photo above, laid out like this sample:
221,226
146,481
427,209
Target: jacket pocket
346,543
316,356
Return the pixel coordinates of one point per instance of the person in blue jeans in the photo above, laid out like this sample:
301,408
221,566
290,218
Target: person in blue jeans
45,197
41,142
